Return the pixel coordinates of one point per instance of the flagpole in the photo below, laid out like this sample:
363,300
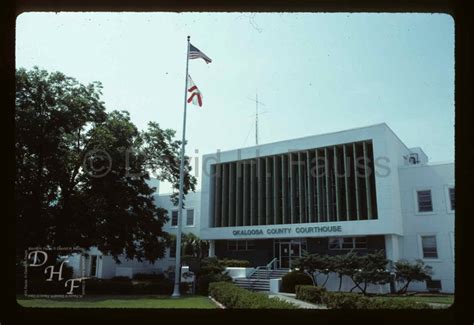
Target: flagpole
177,273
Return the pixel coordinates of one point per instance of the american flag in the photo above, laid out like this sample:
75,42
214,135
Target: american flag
194,53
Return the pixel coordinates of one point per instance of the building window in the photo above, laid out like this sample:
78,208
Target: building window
174,218
173,250
250,245
360,242
428,244
190,217
433,285
425,204
347,243
451,198
93,271
240,245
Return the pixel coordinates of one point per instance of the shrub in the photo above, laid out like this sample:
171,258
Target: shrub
310,293
205,280
121,278
290,280
122,287
397,304
408,272
157,287
338,300
112,286
232,297
148,276
234,263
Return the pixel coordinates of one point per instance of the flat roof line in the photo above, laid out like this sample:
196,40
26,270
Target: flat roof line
311,136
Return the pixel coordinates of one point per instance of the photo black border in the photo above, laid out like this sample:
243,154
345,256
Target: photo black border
458,313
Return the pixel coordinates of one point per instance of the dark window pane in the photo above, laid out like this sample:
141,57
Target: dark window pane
189,217
433,285
250,244
361,242
451,197
348,243
232,245
174,218
93,265
173,251
335,243
241,245
425,203
429,247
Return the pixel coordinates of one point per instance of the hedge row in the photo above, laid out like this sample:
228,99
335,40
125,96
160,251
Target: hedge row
310,293
234,263
233,297
340,300
122,286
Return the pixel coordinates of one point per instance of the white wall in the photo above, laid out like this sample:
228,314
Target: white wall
440,222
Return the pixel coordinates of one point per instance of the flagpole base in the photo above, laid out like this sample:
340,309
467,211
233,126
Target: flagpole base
176,293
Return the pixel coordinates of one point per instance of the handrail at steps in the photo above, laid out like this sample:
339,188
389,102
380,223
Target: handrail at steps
266,267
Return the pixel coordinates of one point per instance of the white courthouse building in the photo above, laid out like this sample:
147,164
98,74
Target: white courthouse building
360,189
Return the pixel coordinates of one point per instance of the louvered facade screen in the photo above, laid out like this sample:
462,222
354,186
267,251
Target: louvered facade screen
335,183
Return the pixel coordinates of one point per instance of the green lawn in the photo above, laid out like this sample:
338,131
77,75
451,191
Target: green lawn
199,302
442,299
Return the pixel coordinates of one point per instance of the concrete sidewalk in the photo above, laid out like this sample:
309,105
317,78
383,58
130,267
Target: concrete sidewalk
290,297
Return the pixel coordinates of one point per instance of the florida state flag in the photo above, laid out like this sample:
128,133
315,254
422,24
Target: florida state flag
195,95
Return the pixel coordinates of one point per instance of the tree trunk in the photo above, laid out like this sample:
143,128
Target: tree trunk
364,292
404,288
314,277
340,282
325,281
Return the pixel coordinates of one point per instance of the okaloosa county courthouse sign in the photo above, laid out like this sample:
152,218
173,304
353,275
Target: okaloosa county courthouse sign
290,231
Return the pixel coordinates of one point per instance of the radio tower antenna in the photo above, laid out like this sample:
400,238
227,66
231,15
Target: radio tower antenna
256,115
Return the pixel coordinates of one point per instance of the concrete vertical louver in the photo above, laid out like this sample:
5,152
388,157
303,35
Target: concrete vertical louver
356,181
346,182
239,194
310,184
253,193
268,191
301,189
276,190
246,194
367,181
217,195
261,190
225,196
231,195
328,184
319,192
285,213
292,168
336,184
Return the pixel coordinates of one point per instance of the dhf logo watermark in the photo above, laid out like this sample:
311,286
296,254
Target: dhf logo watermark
48,272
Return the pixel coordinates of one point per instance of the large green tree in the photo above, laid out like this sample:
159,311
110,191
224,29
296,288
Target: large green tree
81,172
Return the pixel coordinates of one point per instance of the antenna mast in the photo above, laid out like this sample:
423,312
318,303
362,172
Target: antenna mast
256,115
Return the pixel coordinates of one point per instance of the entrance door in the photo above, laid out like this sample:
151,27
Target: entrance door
289,251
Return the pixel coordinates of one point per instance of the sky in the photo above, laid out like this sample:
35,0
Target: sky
314,73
